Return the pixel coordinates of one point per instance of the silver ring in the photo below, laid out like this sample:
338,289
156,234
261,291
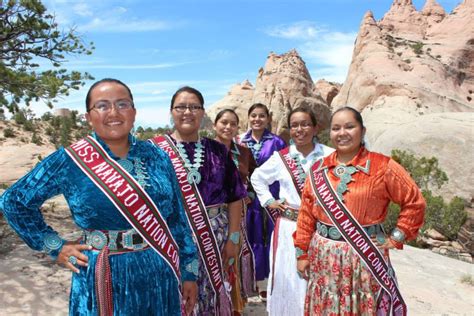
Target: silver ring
72,260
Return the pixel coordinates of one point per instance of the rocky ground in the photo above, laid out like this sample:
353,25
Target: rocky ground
32,285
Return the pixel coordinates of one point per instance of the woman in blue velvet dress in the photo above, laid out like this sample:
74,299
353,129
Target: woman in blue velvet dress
262,143
142,282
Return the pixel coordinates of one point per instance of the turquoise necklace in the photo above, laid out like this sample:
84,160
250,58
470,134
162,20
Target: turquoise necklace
139,167
255,148
299,166
194,176
345,173
235,155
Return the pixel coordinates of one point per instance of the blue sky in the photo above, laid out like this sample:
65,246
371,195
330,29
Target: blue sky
158,46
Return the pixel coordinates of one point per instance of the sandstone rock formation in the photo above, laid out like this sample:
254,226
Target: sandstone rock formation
284,83
327,90
412,76
239,99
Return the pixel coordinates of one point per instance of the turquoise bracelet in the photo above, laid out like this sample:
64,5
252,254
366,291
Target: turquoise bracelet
235,238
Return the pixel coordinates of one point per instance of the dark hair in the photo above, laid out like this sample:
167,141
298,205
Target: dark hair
224,111
303,109
356,113
188,90
258,106
111,80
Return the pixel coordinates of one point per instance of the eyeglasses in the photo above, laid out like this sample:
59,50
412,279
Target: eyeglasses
181,108
106,106
303,125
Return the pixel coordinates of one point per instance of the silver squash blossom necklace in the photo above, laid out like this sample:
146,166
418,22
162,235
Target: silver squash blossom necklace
194,176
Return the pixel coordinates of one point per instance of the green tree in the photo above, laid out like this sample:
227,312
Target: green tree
29,35
425,171
446,218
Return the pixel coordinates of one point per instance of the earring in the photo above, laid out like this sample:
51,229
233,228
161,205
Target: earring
292,142
133,134
315,140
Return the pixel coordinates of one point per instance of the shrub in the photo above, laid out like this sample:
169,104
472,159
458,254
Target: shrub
417,48
425,171
20,117
35,139
9,132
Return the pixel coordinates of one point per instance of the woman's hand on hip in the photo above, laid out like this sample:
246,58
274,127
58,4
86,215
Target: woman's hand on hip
71,256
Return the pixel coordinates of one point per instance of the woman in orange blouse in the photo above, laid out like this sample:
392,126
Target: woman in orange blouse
339,283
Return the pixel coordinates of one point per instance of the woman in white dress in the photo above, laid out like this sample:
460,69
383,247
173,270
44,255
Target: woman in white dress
286,289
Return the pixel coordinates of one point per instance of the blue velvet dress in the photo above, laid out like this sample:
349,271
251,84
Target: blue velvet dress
142,282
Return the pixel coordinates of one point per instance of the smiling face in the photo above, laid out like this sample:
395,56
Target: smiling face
187,122
226,127
113,125
346,133
258,119
302,129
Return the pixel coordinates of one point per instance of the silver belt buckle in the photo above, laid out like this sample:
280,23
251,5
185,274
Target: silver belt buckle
127,241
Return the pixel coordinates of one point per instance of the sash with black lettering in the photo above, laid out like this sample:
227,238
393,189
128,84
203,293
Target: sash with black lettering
355,235
130,199
196,214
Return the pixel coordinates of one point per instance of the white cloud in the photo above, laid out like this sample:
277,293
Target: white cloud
302,30
152,116
82,9
327,53
116,25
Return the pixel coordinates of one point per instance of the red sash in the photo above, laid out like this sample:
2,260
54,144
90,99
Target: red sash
131,201
355,235
292,169
200,224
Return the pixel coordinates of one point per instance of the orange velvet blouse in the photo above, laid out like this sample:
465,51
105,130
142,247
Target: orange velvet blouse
378,181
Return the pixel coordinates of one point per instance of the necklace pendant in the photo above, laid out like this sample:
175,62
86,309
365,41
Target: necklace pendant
194,177
126,164
340,170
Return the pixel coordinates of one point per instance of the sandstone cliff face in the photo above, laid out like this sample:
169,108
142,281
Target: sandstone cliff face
406,70
282,84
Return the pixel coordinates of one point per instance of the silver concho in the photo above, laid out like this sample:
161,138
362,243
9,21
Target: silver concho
97,239
339,170
334,233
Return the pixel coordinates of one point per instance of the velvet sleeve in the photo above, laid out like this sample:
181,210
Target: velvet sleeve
306,223
22,201
179,225
403,191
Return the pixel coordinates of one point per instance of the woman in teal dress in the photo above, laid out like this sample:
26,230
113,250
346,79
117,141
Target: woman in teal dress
142,281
